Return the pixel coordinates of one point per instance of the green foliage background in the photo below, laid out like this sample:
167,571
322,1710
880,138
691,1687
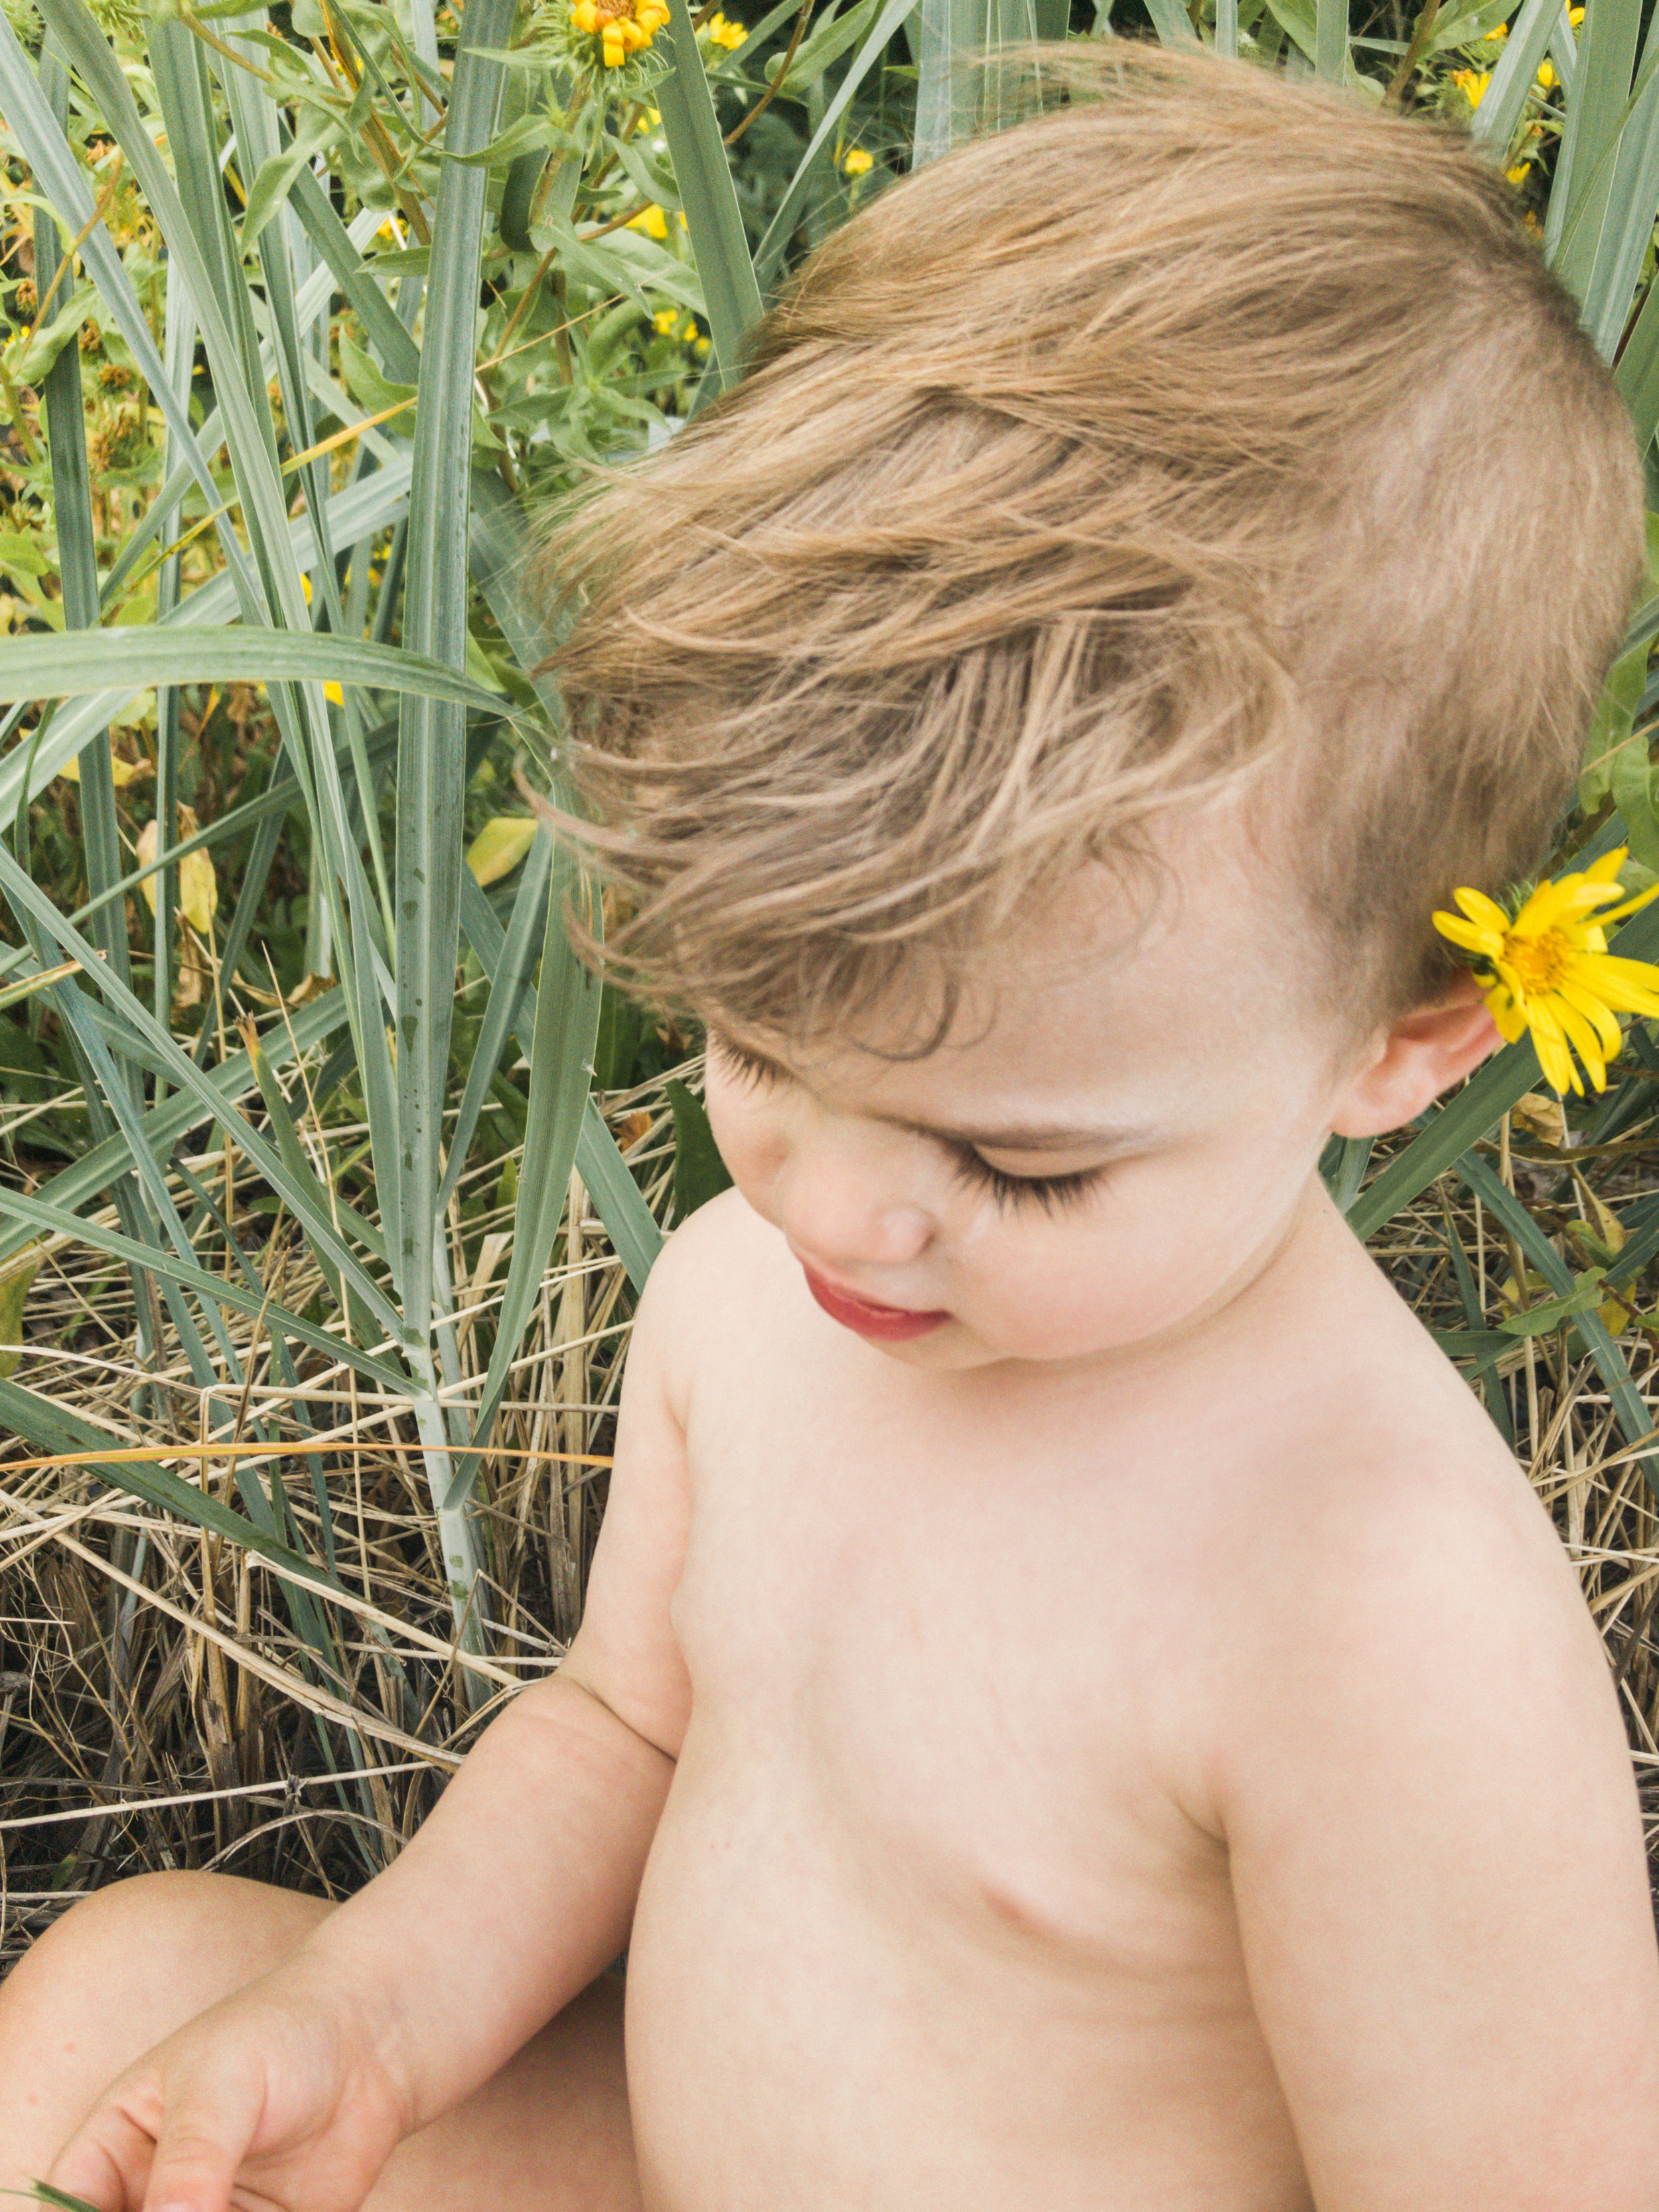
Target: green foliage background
305,315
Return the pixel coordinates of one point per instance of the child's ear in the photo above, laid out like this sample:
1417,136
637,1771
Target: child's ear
1417,1057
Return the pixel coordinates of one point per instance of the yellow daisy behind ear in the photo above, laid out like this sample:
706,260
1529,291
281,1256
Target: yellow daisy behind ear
1548,969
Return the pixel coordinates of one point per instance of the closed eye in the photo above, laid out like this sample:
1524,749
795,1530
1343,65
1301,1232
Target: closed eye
1051,1192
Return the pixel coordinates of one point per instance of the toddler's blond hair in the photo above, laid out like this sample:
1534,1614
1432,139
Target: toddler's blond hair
1208,433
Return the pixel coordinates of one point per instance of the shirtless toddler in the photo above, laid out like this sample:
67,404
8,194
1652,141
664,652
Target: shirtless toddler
1075,1709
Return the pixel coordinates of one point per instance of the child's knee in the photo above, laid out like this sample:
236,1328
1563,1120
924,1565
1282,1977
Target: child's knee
165,1943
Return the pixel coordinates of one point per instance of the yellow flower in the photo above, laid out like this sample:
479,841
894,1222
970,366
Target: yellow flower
858,163
1546,75
726,34
652,221
1471,83
667,321
1548,968
1518,175
622,26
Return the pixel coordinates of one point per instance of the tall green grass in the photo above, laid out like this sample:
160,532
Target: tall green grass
315,209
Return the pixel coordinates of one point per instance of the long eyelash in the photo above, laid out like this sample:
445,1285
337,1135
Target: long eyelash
1049,1192
756,1073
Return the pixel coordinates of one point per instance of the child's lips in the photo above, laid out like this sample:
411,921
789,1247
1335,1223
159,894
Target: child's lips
885,1324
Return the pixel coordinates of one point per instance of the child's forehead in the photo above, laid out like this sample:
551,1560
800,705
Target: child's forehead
1196,952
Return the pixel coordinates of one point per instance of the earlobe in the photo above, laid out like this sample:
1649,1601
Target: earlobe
1415,1059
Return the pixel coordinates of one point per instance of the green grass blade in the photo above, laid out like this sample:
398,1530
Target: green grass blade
1637,374
1331,41
58,175
26,901
163,1126
54,1428
1635,1421
781,227
39,1217
561,1060
1601,246
946,31
71,494
1172,23
431,730
714,221
1495,121
627,1219
1596,112
50,666
506,986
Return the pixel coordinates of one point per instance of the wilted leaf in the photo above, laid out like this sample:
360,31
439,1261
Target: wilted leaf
1540,1116
500,845
198,887
198,891
124,771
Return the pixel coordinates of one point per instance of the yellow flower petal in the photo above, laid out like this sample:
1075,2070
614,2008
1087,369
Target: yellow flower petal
1630,987
1552,1054
1583,1039
1468,934
1482,910
1596,1012
1629,905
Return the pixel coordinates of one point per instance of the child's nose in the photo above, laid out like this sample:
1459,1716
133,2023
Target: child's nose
837,1205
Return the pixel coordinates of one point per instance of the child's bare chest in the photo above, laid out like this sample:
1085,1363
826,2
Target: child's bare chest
925,1830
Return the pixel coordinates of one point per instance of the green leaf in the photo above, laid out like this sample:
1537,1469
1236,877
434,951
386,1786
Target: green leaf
104,660
714,221
1550,1313
700,1173
15,1282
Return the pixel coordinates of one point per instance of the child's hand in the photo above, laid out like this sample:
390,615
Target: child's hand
277,2092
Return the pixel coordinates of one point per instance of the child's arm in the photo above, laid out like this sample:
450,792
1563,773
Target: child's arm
1436,1857
516,1892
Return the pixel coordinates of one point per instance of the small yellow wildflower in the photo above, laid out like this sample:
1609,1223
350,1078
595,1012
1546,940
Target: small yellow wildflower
1548,968
857,163
665,321
701,347
651,221
1546,78
1496,38
622,26
725,32
1518,175
1471,83
1575,16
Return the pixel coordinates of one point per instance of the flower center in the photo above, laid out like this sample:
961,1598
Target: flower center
1541,963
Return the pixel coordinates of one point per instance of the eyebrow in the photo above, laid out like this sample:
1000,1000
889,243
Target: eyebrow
1006,1137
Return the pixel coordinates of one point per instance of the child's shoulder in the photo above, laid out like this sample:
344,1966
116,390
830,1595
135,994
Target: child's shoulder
1376,1535
1384,1480
1389,1567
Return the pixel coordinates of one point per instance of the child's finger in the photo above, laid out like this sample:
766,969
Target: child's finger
199,2149
107,2164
